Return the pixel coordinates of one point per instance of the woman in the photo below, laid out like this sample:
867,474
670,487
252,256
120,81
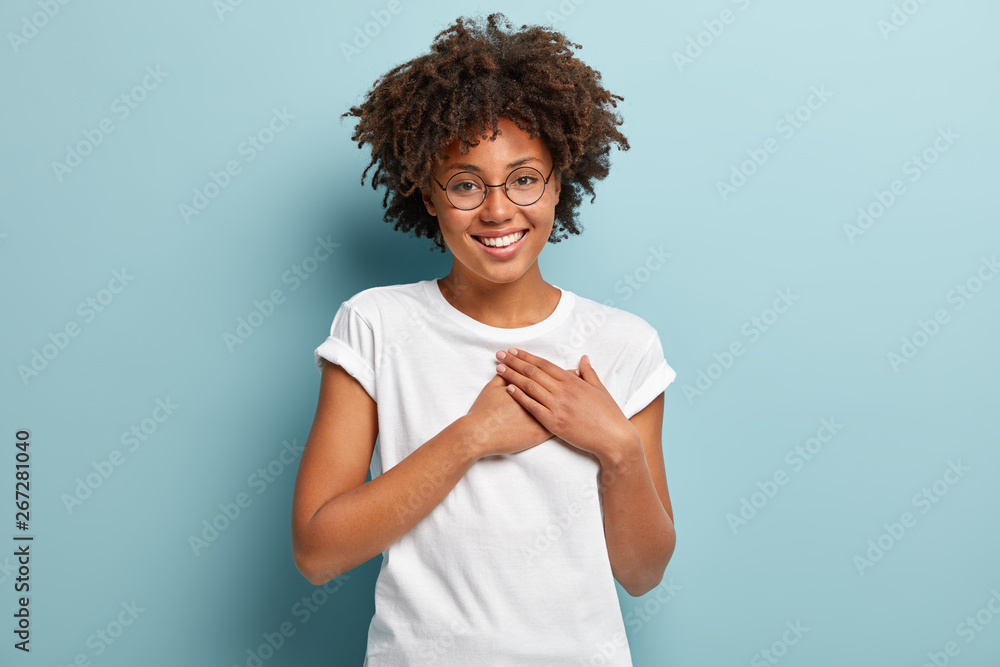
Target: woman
519,469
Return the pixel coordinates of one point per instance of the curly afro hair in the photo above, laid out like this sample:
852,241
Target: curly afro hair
476,73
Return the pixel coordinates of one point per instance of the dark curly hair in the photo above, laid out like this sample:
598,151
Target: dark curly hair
476,73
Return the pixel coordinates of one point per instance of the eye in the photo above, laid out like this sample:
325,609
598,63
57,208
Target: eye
524,180
464,184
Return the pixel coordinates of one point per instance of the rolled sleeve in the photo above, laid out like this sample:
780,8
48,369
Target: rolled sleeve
350,345
653,375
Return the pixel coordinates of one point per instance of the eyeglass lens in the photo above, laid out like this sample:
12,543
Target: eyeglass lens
524,186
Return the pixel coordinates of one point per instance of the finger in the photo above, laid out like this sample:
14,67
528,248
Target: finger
529,385
533,366
527,370
534,408
588,373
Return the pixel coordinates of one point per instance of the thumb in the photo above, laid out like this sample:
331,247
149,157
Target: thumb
588,373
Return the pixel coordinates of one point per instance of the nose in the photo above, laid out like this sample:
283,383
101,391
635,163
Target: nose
497,207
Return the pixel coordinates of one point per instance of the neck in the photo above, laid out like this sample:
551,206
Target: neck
519,303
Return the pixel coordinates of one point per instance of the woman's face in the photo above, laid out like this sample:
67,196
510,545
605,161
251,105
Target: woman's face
493,160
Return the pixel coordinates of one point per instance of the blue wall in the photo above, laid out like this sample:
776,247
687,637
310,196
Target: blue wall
823,175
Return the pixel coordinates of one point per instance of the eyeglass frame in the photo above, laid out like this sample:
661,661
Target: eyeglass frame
486,192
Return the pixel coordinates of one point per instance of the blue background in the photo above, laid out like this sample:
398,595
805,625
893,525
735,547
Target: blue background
733,586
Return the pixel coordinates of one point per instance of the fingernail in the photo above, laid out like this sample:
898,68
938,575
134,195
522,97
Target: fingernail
501,354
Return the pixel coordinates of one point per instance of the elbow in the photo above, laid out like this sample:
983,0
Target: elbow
306,566
641,582
637,591
315,572
639,586
307,561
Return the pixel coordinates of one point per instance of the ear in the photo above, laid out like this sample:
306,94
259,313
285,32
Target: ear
428,204
558,187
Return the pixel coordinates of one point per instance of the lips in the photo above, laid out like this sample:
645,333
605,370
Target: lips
502,241
502,252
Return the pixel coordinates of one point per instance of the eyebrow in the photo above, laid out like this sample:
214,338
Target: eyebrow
464,166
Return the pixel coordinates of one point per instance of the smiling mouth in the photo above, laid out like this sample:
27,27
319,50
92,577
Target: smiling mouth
502,241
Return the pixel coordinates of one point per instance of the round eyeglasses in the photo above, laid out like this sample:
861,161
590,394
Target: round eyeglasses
524,186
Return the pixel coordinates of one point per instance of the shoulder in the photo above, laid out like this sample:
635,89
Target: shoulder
376,304
622,324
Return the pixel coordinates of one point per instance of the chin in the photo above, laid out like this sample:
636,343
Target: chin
502,277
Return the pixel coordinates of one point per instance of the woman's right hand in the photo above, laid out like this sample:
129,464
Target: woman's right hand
498,423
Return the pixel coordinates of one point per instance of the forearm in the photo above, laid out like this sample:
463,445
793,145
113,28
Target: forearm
353,527
639,531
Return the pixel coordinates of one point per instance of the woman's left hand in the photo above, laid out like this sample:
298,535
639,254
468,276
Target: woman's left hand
573,405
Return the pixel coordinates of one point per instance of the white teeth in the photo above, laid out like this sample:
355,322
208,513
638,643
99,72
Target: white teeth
503,241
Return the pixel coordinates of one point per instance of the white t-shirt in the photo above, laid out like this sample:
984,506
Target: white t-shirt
511,568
